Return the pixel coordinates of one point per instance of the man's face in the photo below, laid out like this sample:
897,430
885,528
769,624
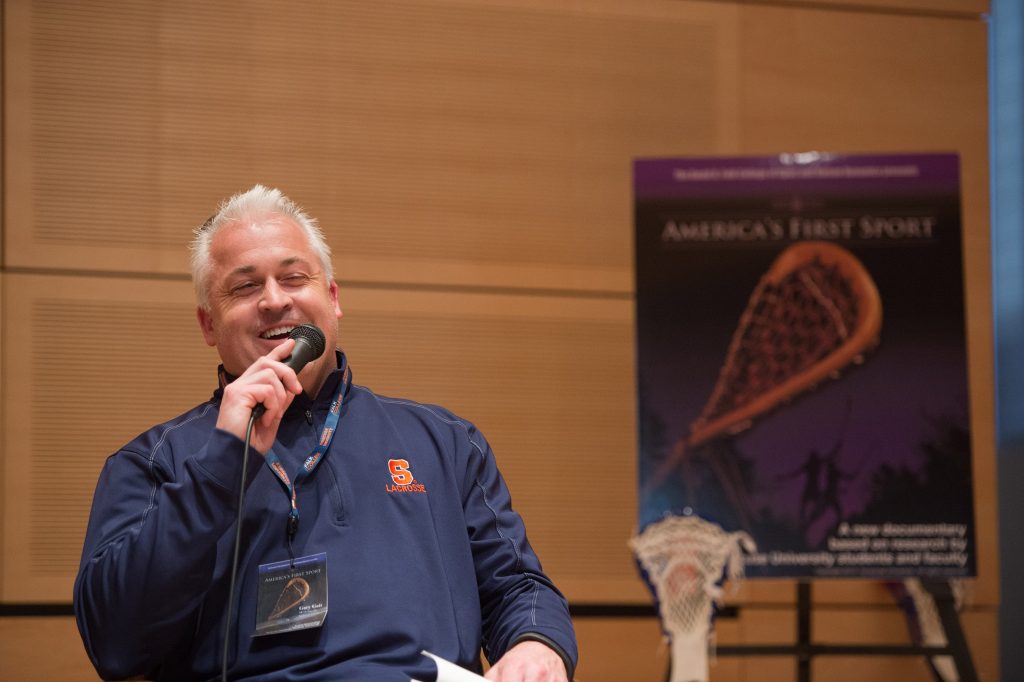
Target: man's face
264,280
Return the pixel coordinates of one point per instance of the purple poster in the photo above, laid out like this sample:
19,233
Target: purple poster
802,362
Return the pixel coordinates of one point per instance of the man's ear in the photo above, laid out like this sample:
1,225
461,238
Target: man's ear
206,325
333,291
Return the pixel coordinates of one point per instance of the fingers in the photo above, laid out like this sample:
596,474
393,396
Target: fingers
265,387
267,382
284,373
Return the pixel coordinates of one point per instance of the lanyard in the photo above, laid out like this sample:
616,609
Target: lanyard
314,459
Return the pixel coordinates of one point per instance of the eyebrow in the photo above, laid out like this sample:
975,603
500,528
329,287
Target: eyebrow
287,262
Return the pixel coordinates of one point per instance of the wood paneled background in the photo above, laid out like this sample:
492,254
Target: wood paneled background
470,163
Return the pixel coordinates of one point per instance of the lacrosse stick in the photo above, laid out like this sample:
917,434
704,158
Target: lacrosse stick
814,312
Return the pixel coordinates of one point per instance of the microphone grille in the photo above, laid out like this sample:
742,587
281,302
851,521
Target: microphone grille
312,335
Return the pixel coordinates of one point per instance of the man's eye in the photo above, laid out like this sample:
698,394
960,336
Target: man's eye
296,278
244,288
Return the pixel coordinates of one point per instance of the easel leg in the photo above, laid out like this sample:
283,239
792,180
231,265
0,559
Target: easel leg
942,593
803,630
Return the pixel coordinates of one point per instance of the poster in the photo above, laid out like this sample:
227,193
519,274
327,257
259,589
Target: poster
802,362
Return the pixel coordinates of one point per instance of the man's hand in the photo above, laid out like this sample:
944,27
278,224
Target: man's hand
267,381
528,661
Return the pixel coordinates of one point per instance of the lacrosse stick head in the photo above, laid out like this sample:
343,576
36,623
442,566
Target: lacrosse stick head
684,558
813,313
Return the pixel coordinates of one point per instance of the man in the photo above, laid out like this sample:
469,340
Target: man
373,528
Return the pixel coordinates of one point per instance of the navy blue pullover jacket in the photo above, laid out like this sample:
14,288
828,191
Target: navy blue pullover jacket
442,565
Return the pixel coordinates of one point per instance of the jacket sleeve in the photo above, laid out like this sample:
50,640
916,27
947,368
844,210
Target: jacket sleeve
518,601
151,548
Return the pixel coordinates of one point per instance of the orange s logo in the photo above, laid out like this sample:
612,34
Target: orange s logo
400,473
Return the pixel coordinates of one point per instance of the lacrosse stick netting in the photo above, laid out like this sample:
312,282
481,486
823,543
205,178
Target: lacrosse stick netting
813,313
684,558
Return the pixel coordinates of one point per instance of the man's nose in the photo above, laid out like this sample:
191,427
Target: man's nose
275,297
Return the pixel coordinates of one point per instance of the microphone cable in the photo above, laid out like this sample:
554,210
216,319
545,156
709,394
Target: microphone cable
238,541
309,345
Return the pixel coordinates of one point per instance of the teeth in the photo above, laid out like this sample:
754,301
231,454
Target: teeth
276,331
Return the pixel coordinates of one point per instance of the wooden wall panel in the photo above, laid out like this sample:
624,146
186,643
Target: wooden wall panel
89,363
484,143
959,9
43,648
605,640
3,391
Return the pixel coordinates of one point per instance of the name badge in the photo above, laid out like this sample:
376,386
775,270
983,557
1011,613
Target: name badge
292,596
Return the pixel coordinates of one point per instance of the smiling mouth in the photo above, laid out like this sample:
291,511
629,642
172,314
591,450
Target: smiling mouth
277,333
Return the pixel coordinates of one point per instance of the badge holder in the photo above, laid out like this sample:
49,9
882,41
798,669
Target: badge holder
292,595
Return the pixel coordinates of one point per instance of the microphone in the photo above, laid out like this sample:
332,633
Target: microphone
309,345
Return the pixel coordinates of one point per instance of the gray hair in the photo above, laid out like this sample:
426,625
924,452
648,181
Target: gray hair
259,204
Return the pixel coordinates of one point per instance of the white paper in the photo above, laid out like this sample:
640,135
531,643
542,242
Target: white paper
449,672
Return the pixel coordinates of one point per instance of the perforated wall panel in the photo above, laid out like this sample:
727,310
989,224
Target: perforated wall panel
434,137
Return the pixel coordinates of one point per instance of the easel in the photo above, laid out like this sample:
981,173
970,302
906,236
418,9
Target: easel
806,649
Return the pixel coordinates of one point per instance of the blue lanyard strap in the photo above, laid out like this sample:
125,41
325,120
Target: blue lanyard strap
314,459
